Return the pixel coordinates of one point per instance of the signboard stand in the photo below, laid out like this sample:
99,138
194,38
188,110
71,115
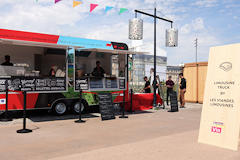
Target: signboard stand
220,119
24,130
131,103
80,107
106,106
123,109
6,115
174,102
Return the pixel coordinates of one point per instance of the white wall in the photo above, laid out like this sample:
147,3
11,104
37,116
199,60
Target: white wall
25,54
19,54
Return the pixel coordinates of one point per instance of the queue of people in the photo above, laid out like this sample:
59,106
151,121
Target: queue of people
169,85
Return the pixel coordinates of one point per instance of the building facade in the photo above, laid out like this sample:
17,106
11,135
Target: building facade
141,66
174,72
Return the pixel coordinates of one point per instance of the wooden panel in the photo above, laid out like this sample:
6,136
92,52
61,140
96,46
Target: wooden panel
220,120
190,75
202,74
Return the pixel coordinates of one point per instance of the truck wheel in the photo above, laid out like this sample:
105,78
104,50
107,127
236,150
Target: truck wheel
2,112
60,108
76,107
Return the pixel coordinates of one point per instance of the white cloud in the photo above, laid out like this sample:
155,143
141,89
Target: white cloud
205,3
188,33
196,25
235,17
35,17
61,18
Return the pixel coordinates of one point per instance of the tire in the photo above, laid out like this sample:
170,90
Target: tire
76,107
1,113
59,108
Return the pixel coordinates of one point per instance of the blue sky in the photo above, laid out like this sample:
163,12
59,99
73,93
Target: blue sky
213,22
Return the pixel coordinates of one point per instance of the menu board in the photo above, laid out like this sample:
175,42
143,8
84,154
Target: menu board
82,83
96,83
121,83
173,101
111,83
2,84
33,84
106,106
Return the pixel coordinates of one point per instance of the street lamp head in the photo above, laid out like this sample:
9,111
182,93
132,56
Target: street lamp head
135,29
171,37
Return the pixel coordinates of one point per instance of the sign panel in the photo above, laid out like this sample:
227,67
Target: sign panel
173,102
33,84
220,120
82,83
106,106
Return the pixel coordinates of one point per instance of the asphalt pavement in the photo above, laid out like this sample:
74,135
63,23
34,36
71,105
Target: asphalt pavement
147,135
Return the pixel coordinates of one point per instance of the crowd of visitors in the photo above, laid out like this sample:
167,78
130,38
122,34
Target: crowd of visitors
169,84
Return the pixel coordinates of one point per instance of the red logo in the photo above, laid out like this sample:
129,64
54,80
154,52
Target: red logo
109,45
216,130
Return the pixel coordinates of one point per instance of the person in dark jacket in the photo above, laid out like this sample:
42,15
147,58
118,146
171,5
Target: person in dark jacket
170,85
183,86
98,71
147,87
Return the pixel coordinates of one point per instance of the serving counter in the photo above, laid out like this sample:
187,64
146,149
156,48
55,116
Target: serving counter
91,83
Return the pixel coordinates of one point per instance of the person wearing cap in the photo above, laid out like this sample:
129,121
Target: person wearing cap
7,61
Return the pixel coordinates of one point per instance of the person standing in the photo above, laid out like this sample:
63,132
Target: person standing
151,78
98,71
147,85
170,85
7,61
183,86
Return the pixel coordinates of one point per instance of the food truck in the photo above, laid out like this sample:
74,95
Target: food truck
52,69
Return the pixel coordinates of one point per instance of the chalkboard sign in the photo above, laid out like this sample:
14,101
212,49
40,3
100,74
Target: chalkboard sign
106,106
83,83
174,102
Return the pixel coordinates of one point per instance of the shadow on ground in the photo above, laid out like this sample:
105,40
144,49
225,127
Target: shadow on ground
46,115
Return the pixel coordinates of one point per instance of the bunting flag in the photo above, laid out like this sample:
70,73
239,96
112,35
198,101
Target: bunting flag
108,8
122,10
76,3
93,6
56,1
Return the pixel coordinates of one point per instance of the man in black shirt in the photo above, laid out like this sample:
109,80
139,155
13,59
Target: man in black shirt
169,84
147,85
183,86
7,61
98,71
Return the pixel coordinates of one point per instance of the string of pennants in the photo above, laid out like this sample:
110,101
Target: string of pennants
93,6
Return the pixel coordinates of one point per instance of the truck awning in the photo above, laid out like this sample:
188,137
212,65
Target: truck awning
112,51
34,44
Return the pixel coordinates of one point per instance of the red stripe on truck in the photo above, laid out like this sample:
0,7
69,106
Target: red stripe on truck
28,36
15,101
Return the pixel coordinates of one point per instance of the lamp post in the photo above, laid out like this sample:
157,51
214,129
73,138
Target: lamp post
196,56
171,40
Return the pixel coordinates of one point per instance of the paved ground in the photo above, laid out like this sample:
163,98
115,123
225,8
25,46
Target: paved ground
149,135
